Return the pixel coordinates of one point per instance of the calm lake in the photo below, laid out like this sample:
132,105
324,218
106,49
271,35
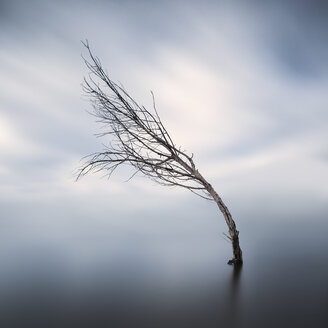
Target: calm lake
114,277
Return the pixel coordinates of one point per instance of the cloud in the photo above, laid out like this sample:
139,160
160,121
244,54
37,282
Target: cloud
241,86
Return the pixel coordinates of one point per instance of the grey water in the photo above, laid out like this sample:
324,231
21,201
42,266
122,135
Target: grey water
134,279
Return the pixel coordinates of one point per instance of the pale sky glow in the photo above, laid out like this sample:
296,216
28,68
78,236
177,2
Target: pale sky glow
242,86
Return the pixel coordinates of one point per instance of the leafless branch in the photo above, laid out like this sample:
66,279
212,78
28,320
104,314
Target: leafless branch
138,136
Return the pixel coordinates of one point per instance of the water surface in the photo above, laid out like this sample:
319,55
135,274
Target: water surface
169,280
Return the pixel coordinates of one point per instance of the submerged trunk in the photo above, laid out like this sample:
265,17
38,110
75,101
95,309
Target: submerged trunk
237,253
233,232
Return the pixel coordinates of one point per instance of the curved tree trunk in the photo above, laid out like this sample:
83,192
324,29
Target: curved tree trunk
233,232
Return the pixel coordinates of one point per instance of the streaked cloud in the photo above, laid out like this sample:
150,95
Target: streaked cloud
241,85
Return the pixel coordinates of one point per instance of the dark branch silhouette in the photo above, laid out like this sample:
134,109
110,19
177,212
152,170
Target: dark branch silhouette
140,140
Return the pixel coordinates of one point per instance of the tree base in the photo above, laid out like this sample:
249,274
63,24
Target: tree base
237,253
235,262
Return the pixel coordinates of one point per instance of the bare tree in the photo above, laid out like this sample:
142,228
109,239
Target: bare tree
139,139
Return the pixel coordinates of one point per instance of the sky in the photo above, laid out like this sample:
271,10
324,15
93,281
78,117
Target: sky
241,84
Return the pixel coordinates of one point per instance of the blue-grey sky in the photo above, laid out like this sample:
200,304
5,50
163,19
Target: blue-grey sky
241,84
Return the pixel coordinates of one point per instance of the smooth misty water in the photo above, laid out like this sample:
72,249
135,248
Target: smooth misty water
182,283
